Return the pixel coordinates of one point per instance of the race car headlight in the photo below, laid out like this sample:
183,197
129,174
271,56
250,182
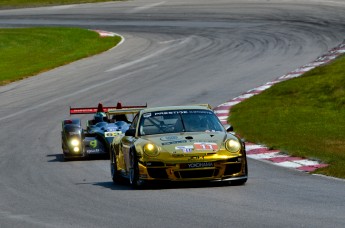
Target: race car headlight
76,149
151,149
75,142
233,146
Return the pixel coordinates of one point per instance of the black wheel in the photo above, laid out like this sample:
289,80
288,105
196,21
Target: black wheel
134,170
113,167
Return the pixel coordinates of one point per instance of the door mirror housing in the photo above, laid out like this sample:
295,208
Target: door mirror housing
228,128
130,132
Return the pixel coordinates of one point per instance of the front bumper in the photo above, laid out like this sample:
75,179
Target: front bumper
69,154
224,170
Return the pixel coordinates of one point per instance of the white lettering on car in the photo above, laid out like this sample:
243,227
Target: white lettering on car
185,148
200,165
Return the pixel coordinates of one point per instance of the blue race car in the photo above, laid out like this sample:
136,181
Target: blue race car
78,142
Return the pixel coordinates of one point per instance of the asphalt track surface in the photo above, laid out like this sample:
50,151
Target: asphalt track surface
175,52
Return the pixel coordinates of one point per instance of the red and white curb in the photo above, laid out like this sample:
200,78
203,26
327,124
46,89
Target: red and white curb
260,152
105,33
109,34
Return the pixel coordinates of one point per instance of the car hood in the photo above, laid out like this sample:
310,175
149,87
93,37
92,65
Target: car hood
189,143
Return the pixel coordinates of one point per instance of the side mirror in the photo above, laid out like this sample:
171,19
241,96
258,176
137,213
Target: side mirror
228,128
130,132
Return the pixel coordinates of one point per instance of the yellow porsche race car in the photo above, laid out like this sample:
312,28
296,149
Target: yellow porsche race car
178,143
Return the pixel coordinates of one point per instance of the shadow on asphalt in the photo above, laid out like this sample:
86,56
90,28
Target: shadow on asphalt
57,157
159,185
60,158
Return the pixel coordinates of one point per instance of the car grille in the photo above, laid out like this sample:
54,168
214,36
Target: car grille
232,169
157,173
196,173
161,172
150,164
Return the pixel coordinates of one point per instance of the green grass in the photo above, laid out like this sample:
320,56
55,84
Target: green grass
304,117
35,3
29,51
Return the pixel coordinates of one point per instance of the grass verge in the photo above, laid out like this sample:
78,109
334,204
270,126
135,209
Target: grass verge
304,117
29,51
4,4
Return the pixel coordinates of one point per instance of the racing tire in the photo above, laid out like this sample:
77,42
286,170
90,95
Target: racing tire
113,168
134,180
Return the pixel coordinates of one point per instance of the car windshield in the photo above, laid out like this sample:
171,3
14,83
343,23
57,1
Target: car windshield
179,121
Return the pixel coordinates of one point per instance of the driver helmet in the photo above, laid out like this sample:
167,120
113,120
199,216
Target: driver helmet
100,117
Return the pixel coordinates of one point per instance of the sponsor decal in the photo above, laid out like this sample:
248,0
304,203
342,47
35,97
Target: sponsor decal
93,143
74,133
146,115
185,149
110,129
112,134
200,112
206,146
93,151
171,138
196,165
174,142
170,113
204,141
196,158
83,110
175,112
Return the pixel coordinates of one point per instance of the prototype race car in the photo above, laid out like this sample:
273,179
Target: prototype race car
178,143
99,133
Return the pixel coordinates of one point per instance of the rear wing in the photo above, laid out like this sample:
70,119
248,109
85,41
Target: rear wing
204,105
124,111
101,108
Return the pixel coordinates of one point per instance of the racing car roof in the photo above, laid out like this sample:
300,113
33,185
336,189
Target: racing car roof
186,107
124,111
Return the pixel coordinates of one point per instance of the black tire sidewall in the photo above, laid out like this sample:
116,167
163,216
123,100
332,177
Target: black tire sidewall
134,169
113,166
